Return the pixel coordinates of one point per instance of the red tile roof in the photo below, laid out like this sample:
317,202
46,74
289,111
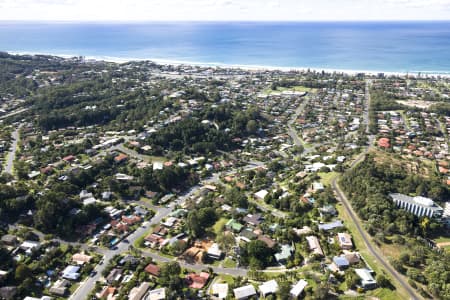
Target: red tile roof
152,269
384,143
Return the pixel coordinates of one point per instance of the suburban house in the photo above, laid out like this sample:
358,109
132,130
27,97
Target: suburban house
214,251
71,273
138,292
157,294
261,194
268,288
59,288
367,280
253,220
314,245
285,253
298,288
331,225
233,225
197,281
345,241
152,269
219,290
244,292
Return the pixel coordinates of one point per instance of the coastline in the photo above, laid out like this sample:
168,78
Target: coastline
351,72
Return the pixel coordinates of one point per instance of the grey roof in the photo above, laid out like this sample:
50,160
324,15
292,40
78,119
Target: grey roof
330,226
244,291
418,200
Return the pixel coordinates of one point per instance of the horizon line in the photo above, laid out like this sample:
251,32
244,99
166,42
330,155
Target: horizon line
231,21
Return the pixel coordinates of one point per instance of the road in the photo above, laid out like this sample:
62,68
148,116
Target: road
12,153
15,112
293,132
161,212
375,252
132,153
355,219
367,105
86,287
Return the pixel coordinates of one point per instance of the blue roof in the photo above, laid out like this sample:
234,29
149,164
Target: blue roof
341,261
330,226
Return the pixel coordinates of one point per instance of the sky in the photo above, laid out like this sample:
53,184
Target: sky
223,10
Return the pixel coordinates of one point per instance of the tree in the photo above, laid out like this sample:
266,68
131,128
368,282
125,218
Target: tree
198,220
284,290
382,281
226,241
22,272
193,224
256,254
321,292
351,279
170,276
251,126
178,247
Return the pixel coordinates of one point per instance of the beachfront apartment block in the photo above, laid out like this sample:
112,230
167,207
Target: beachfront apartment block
419,206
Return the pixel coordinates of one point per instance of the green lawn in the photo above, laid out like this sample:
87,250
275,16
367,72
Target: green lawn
226,278
442,239
218,227
229,263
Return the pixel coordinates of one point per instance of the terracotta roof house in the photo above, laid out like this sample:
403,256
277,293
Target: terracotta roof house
107,293
269,242
384,143
81,259
120,158
69,158
152,269
197,281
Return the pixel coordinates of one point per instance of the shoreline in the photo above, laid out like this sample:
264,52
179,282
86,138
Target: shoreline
352,72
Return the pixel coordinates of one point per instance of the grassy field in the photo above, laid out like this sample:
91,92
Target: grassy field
326,178
391,250
399,293
297,88
442,239
226,278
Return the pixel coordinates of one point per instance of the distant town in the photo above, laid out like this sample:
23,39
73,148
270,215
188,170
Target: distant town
145,181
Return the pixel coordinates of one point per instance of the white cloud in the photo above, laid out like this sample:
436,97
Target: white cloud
149,10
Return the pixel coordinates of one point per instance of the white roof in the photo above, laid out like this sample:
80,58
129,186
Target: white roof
158,294
30,244
268,287
137,293
261,194
71,272
90,200
244,291
220,289
158,165
214,250
298,288
366,277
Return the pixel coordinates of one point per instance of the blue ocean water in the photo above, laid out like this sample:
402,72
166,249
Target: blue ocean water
369,46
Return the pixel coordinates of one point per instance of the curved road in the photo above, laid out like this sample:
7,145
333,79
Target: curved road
12,153
346,204
400,279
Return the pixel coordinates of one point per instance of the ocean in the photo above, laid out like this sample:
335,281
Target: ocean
359,46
